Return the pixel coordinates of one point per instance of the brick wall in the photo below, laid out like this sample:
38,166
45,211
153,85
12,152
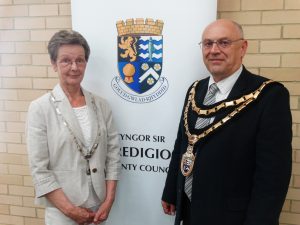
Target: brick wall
273,30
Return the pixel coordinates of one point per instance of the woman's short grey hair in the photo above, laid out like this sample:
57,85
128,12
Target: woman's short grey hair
65,37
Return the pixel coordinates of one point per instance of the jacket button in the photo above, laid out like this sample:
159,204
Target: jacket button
94,170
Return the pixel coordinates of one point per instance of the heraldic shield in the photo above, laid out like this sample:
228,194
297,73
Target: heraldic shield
140,61
140,53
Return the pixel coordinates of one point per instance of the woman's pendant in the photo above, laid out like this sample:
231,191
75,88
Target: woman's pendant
88,170
187,161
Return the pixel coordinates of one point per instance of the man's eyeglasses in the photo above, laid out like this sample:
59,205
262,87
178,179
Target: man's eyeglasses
68,62
221,43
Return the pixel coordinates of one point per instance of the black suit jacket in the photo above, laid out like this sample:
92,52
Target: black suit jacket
242,169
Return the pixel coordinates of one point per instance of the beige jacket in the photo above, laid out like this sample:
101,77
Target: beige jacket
53,156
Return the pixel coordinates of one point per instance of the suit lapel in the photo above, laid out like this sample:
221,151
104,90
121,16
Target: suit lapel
200,93
240,86
67,112
238,89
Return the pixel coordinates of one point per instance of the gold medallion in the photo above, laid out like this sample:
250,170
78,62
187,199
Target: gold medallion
187,161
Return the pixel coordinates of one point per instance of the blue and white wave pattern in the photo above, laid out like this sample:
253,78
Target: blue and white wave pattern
150,48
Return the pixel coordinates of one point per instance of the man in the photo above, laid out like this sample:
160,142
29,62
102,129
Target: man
235,169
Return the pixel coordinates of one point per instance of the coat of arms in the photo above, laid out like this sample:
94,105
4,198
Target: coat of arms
140,60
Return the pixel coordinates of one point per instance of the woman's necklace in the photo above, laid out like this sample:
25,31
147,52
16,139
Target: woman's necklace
79,145
188,158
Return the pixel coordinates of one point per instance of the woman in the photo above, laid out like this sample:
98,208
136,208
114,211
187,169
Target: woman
73,146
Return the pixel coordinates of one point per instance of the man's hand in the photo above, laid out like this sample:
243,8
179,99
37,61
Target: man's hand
168,208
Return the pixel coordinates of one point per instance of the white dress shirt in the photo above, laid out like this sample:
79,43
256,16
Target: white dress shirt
225,85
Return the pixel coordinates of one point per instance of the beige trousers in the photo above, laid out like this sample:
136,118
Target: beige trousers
54,216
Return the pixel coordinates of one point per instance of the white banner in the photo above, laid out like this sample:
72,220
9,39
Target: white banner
143,69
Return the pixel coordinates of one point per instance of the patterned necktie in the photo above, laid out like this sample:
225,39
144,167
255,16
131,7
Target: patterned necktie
209,99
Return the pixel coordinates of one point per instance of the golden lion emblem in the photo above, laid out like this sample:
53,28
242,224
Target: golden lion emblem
129,46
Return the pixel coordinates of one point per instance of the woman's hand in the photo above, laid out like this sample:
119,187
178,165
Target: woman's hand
104,209
103,212
81,215
78,214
